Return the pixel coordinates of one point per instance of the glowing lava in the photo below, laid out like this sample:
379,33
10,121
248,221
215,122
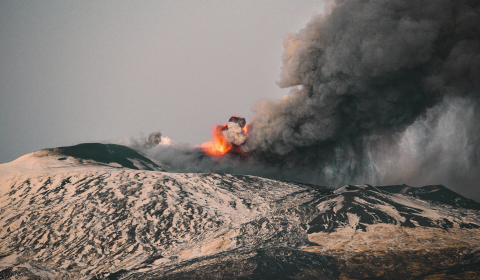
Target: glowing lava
226,137
219,145
246,128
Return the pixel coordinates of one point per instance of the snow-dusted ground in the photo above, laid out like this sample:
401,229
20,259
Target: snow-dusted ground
79,219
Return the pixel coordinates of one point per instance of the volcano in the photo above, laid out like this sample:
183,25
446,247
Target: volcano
103,211
227,138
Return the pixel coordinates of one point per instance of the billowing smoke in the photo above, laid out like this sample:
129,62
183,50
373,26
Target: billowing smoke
234,133
361,75
382,92
370,67
153,140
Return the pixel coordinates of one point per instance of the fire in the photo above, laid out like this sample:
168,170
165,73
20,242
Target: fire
227,137
219,145
246,128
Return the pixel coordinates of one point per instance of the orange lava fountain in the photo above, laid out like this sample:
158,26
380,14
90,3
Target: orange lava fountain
246,129
218,146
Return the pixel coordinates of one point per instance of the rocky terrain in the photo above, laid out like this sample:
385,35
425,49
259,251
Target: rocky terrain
96,211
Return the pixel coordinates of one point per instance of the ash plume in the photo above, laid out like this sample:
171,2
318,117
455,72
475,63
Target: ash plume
233,132
382,92
361,75
153,139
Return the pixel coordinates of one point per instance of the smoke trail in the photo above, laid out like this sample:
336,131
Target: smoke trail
361,74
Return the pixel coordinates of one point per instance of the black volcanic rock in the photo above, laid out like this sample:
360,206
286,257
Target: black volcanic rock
262,263
105,153
372,206
434,193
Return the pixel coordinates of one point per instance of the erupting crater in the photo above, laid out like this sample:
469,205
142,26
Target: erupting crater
227,138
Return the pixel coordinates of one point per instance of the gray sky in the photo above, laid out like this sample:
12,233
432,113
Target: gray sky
89,71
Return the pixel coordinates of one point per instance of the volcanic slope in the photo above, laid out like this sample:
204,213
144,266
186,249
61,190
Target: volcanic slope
96,211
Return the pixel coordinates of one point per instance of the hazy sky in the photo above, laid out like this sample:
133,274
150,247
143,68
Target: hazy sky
90,71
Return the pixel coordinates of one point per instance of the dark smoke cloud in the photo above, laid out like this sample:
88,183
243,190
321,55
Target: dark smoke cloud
368,67
361,75
383,92
153,139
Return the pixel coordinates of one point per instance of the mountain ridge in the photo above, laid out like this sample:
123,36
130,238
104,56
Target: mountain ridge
79,218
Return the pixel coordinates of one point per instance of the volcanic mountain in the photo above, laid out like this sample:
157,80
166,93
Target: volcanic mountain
96,211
